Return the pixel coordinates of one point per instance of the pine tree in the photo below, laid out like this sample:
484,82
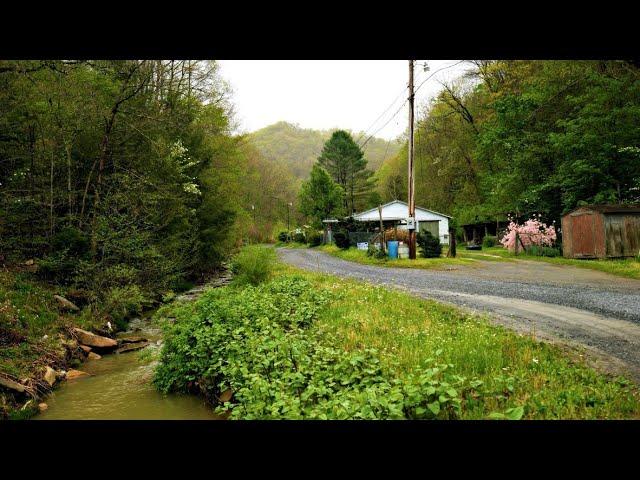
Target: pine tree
344,160
320,196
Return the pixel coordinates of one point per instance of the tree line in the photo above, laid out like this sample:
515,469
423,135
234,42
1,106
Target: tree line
124,178
523,137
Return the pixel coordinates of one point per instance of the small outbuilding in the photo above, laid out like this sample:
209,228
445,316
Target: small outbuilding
601,231
396,213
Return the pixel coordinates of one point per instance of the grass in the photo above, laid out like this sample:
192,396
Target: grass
360,256
628,267
516,370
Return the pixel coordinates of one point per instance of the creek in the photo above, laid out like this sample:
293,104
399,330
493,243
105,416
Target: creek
119,386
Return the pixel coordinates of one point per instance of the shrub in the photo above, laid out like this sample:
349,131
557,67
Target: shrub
123,302
299,238
533,233
315,239
253,265
489,241
375,251
341,237
283,236
429,245
255,342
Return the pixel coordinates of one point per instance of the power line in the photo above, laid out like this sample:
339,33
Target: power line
404,103
381,115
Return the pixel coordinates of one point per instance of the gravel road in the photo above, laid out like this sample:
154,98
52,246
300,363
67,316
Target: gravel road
576,306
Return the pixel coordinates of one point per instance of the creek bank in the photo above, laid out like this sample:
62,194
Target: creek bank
111,385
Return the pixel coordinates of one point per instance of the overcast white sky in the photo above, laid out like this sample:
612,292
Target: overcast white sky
324,94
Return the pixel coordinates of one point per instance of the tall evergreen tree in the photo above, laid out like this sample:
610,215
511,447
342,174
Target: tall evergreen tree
344,160
320,196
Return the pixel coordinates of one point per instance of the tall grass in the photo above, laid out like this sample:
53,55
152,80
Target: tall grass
253,264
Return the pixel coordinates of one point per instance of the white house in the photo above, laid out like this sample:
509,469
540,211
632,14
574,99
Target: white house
397,211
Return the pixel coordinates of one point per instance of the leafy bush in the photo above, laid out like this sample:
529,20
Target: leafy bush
315,239
489,241
429,245
375,251
254,341
253,265
283,236
123,302
299,238
341,237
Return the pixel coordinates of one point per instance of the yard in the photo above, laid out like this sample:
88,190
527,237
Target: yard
311,345
628,267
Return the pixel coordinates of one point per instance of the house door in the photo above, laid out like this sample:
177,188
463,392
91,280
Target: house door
583,234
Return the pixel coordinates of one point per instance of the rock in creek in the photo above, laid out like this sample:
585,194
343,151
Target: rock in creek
10,384
50,376
130,347
64,303
93,340
73,374
93,356
132,339
85,348
42,406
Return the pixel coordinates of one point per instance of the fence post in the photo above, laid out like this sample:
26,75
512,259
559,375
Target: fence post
452,243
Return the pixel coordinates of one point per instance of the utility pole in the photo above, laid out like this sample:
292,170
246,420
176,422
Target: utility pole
411,224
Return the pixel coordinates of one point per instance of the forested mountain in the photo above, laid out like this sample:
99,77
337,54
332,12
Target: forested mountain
298,148
520,137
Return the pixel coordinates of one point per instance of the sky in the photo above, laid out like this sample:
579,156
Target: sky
325,94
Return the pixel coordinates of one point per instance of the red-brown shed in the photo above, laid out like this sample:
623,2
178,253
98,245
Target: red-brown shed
601,231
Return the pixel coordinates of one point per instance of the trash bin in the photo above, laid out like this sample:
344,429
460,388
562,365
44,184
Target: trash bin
392,248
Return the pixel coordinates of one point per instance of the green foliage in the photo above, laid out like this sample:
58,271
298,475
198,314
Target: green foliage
527,136
341,239
489,241
342,157
315,239
376,252
123,302
320,197
277,366
428,244
253,265
299,237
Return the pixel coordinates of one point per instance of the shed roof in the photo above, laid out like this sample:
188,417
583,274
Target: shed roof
397,210
609,208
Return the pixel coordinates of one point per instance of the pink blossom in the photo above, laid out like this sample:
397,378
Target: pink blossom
533,232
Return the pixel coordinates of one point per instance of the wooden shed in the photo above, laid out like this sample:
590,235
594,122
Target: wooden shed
601,231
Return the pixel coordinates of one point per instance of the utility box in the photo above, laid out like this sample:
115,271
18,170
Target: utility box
411,223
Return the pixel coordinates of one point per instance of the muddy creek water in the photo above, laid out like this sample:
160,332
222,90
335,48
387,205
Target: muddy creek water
120,388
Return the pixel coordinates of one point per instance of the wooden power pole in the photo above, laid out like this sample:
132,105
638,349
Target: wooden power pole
411,182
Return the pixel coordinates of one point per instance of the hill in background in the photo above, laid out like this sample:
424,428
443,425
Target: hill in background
298,148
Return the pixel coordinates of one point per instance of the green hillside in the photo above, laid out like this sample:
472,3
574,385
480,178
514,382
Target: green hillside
298,148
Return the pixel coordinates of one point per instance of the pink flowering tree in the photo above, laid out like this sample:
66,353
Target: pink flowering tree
533,232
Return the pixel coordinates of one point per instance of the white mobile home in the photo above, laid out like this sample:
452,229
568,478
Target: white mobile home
397,211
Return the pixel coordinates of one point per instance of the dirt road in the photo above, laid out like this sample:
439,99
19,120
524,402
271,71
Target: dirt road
576,306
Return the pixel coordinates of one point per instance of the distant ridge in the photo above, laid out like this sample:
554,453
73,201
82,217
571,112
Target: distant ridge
298,148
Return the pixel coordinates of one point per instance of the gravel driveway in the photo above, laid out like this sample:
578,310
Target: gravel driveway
577,306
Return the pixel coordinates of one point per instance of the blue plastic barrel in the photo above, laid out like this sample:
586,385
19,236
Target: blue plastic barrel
392,248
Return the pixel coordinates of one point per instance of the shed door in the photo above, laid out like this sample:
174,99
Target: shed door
583,234
614,229
431,225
